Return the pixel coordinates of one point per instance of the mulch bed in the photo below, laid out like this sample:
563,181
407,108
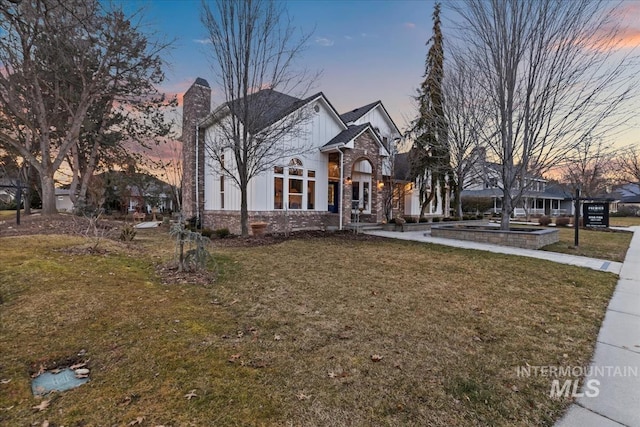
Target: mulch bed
80,226
59,224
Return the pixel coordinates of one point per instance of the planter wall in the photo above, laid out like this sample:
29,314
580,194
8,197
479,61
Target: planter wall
521,238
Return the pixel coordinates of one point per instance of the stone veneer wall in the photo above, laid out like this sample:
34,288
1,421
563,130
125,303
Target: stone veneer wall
277,221
520,239
196,106
365,148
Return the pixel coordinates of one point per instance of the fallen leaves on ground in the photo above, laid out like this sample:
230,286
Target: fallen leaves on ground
191,394
138,421
43,405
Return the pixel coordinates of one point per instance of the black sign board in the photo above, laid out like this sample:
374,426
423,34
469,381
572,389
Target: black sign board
596,215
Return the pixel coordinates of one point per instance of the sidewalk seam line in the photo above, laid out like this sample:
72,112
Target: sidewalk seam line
623,312
599,414
618,347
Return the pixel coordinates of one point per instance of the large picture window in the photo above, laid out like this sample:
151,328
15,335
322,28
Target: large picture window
294,187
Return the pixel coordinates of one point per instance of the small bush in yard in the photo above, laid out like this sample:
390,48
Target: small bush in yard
436,219
221,233
128,232
544,220
410,220
563,221
207,232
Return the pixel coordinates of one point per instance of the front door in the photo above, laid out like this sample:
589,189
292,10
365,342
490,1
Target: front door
333,196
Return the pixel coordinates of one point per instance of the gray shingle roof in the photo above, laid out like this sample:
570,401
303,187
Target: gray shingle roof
631,199
347,135
266,107
354,115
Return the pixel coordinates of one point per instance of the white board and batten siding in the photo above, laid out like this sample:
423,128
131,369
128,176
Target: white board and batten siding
320,128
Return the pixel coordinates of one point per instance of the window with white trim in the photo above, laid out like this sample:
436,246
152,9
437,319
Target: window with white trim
294,187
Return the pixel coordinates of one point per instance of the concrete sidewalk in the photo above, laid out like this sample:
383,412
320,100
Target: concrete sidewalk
580,261
616,360
618,346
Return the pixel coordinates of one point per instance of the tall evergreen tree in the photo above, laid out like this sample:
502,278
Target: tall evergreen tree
430,154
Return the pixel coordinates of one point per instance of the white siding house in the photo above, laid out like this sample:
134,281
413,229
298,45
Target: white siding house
329,172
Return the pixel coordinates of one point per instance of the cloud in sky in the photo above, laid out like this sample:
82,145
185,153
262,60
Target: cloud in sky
348,38
323,41
202,41
629,38
409,25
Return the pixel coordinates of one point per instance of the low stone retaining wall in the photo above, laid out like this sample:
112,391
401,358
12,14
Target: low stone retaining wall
422,226
518,237
277,221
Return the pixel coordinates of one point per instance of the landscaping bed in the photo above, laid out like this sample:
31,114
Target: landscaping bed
521,237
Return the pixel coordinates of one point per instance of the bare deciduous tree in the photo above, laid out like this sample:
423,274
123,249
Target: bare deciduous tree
550,71
589,166
465,112
627,164
254,47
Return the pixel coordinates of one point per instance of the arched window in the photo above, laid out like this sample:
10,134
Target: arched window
294,187
361,186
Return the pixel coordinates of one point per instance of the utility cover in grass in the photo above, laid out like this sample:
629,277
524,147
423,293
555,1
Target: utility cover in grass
63,380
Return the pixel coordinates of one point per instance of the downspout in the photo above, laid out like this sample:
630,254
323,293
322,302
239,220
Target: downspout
341,198
196,170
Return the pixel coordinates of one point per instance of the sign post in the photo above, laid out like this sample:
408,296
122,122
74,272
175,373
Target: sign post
576,218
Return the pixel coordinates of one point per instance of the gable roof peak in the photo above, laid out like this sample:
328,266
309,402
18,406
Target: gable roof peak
355,114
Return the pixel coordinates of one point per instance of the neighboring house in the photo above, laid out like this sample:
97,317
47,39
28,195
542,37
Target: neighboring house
538,197
627,196
159,196
63,200
336,176
121,193
7,191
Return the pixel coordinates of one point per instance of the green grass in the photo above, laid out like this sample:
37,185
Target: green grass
608,245
287,333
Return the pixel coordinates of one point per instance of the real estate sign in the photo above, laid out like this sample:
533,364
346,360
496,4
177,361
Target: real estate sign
596,214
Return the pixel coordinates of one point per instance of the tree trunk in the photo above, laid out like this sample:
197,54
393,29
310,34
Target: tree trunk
48,194
458,202
244,212
506,213
26,198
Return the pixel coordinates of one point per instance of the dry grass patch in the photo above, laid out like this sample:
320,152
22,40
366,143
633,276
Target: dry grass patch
628,221
604,244
325,331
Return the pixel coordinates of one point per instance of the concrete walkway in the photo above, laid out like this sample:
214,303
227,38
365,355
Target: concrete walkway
148,224
580,261
616,360
618,346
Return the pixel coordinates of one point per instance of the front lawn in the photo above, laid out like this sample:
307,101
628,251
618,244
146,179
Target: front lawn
604,244
324,331
625,221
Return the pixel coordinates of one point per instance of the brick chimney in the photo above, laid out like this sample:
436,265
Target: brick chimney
196,105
